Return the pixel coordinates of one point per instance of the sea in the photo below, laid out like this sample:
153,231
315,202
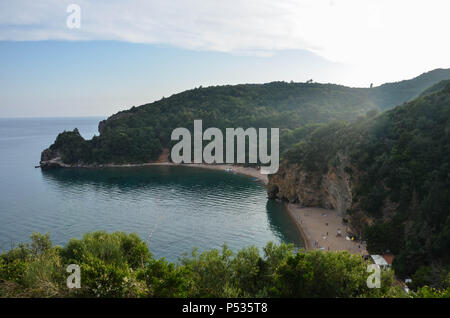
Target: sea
173,209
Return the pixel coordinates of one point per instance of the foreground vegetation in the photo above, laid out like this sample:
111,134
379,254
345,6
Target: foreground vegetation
120,265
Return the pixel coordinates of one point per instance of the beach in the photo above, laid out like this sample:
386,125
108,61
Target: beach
323,229
248,171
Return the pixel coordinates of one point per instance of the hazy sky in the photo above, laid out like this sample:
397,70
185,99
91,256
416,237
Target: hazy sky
132,52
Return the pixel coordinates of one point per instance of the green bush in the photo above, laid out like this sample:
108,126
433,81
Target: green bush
164,279
117,248
119,265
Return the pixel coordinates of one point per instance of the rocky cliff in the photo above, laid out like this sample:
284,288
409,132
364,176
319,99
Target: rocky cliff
50,159
331,190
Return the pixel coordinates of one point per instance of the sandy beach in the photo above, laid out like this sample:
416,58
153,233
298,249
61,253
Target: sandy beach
320,228
248,171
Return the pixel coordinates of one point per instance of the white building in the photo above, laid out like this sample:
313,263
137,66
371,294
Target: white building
380,261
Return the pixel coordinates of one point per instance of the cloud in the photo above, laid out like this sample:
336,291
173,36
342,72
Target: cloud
407,35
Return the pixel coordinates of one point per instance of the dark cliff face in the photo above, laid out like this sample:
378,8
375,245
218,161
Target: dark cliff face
101,126
334,189
50,159
330,190
48,155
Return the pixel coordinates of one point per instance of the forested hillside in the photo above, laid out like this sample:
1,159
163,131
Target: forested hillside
396,93
398,167
139,134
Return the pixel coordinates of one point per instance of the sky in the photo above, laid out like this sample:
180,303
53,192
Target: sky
128,53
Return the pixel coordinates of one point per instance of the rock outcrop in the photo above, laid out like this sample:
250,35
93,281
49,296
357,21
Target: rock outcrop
51,159
332,190
48,155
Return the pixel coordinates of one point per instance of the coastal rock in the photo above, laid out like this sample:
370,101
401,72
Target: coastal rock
50,159
52,164
101,126
48,155
272,191
331,190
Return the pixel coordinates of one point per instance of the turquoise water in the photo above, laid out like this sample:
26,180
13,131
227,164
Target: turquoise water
174,209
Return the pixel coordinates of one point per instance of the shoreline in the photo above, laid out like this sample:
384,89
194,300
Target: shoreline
247,171
323,229
305,238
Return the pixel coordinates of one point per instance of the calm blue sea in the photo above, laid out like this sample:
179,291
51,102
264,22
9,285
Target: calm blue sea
173,208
